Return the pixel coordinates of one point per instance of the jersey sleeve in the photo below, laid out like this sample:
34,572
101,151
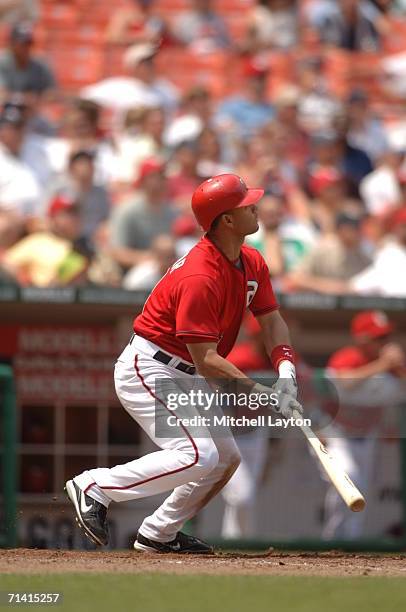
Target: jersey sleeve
264,299
197,303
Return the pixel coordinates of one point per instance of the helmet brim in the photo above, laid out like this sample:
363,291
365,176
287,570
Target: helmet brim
252,197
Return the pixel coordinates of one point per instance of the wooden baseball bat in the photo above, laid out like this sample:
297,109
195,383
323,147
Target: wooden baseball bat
342,482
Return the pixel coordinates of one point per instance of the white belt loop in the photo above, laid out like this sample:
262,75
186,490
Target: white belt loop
174,361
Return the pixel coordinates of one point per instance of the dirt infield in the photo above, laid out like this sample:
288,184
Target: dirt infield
273,563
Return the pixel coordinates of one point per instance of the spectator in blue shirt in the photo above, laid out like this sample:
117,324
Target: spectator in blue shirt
246,112
20,70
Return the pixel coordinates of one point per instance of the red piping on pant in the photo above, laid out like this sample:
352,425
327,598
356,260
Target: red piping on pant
196,450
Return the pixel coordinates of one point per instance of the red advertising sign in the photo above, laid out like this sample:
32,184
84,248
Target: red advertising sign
68,363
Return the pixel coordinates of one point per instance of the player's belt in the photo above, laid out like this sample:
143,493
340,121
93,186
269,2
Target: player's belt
165,358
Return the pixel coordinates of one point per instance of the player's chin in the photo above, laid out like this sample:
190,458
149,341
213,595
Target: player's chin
252,229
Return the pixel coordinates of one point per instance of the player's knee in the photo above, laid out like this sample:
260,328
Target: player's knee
208,456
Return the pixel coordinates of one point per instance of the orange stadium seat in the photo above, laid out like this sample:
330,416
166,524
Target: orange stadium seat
396,39
65,14
76,67
185,70
99,12
338,70
87,34
172,6
236,7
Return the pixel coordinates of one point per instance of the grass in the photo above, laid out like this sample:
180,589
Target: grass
177,593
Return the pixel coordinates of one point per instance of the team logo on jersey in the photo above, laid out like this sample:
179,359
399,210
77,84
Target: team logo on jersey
252,287
178,264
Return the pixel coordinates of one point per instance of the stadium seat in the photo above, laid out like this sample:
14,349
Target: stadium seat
77,66
396,39
59,13
213,70
81,34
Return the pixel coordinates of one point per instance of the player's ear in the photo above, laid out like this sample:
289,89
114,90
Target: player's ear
228,220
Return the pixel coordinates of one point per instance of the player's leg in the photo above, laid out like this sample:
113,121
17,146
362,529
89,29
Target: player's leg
183,457
187,500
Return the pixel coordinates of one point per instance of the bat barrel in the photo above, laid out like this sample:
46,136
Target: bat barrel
342,482
358,504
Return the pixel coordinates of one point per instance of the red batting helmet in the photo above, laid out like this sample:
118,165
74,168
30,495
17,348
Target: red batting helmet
371,324
219,194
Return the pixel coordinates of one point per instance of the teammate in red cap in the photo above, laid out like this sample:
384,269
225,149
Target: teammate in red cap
373,352
187,328
368,376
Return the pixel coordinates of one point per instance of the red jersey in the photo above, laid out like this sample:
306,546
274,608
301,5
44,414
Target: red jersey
203,298
348,358
247,359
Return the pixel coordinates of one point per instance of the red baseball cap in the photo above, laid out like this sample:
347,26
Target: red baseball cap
147,167
397,218
255,68
220,194
185,225
62,203
322,178
371,324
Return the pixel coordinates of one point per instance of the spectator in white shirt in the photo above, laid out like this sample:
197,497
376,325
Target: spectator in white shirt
318,108
272,24
195,113
386,276
19,189
140,87
145,275
133,148
380,189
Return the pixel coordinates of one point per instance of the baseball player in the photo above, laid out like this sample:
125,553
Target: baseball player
369,377
187,328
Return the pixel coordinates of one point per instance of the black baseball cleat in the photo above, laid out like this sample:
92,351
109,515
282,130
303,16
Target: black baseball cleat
182,544
90,514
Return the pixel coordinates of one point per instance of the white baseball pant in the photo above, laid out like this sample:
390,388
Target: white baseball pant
195,468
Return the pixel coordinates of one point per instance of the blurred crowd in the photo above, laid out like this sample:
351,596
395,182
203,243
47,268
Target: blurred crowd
100,193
